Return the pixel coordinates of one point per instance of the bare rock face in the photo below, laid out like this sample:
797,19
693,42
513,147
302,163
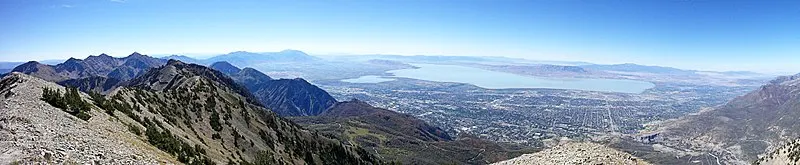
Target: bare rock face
746,127
789,153
575,153
32,130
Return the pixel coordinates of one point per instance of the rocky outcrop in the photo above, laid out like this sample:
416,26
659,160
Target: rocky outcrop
31,130
788,153
176,74
575,153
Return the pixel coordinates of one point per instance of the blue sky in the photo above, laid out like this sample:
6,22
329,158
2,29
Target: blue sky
694,34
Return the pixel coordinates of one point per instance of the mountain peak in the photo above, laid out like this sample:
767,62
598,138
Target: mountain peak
72,60
173,62
177,74
225,67
292,51
135,54
241,53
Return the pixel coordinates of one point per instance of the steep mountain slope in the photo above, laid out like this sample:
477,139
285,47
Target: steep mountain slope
32,130
175,113
92,84
175,73
746,126
397,137
294,97
287,97
225,67
575,153
788,153
202,107
93,66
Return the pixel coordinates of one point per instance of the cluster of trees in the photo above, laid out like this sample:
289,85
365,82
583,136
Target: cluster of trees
165,141
794,151
70,102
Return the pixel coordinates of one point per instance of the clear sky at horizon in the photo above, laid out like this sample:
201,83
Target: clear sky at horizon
693,34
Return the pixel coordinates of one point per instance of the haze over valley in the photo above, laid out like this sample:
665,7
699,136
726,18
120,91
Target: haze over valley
399,82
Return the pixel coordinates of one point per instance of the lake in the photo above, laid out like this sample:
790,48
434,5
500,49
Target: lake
501,80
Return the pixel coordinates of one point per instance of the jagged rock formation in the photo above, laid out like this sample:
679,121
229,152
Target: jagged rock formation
31,130
575,153
746,126
177,113
176,73
402,138
102,65
287,97
205,109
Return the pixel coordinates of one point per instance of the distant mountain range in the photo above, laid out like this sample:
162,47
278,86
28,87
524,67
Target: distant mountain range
102,73
628,67
102,65
95,73
244,58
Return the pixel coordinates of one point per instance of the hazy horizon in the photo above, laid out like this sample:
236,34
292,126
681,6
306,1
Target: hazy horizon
699,35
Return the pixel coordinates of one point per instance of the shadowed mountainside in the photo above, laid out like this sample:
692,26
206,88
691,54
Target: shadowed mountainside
403,138
287,97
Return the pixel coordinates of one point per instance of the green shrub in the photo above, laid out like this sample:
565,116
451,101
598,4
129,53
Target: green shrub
214,121
70,102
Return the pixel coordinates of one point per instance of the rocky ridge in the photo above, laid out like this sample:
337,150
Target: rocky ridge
575,153
31,130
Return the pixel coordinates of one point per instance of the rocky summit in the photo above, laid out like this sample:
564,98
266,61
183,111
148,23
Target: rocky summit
575,153
31,130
